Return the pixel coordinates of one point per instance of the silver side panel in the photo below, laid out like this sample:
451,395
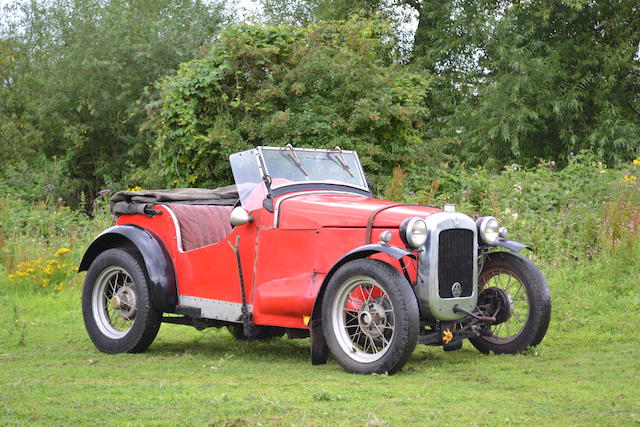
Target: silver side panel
215,309
431,305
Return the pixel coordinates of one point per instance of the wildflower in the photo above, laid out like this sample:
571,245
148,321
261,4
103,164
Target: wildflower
62,251
102,194
58,287
11,276
136,188
630,178
636,162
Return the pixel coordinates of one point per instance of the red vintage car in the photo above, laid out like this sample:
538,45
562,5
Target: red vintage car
300,246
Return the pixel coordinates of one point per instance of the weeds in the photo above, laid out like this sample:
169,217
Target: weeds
20,327
324,396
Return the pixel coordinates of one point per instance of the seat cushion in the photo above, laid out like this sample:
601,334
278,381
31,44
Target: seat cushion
201,225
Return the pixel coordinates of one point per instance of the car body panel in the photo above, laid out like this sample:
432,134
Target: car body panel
342,210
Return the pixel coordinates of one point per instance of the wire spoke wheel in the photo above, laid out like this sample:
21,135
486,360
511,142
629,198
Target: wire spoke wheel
114,302
363,316
370,317
116,307
518,304
512,289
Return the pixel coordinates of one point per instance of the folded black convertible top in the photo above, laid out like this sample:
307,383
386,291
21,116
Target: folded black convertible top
142,201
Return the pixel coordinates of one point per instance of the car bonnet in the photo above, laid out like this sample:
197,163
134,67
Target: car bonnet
327,209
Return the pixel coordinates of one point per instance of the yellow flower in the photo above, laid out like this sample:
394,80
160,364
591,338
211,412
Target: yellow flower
630,178
11,276
62,251
136,188
59,287
636,161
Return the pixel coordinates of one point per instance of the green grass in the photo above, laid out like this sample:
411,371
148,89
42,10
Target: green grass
586,371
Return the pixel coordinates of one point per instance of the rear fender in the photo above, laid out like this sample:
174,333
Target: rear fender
361,252
156,257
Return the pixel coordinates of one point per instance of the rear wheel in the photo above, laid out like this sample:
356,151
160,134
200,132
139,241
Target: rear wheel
512,289
117,312
370,317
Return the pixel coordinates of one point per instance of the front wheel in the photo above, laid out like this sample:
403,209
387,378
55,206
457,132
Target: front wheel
116,308
370,317
512,288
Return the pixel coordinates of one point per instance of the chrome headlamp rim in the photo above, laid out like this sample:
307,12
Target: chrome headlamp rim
488,230
407,228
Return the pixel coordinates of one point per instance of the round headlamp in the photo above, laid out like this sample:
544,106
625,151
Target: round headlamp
489,230
413,232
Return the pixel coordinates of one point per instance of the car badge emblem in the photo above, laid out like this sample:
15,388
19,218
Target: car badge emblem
456,289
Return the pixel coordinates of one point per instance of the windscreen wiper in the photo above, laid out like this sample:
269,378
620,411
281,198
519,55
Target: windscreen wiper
294,158
342,162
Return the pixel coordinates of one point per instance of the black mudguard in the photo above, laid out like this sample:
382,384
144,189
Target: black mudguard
512,245
160,270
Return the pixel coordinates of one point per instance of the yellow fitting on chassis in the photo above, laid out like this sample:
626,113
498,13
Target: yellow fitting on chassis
305,320
447,336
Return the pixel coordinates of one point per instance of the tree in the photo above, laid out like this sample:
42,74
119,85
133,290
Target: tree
332,83
515,80
558,77
81,66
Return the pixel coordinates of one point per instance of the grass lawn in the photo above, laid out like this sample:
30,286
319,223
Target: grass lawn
586,371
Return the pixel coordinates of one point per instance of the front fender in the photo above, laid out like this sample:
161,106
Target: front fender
156,257
512,245
360,252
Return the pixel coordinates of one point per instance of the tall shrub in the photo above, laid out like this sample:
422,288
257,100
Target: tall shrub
332,83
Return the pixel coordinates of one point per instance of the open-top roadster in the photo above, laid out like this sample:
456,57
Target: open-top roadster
300,246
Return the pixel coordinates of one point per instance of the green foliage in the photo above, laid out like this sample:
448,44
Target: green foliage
41,244
565,214
71,74
326,85
553,78
514,81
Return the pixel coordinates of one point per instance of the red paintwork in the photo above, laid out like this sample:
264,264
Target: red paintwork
283,267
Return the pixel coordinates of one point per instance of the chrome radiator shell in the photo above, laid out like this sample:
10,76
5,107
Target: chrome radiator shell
430,301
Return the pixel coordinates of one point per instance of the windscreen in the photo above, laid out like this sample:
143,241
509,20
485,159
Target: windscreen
283,166
289,165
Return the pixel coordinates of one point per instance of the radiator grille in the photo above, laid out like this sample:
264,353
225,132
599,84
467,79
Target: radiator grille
455,262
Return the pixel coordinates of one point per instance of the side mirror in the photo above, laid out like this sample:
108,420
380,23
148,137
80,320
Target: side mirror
239,216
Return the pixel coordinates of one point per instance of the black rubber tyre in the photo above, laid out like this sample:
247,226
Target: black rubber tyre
370,317
116,308
531,303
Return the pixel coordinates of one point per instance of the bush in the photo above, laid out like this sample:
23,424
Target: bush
41,244
333,83
564,214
